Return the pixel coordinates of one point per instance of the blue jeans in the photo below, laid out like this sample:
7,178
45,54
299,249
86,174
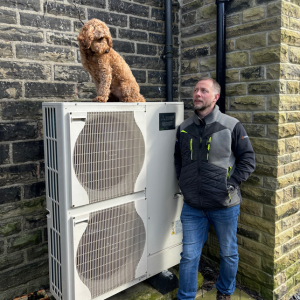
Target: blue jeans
195,225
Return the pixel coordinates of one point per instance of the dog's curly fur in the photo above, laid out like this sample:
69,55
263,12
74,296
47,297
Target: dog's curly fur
111,74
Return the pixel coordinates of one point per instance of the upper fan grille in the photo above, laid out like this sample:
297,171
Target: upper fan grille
108,155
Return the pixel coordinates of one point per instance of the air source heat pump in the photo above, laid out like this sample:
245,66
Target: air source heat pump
114,216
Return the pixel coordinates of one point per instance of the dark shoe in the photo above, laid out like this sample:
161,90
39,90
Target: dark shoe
221,296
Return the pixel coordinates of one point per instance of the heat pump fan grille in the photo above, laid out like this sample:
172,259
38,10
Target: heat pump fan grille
110,248
53,196
108,155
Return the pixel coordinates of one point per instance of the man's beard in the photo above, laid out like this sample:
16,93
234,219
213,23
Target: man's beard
203,107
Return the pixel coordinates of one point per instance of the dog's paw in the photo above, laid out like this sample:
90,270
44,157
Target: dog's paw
99,99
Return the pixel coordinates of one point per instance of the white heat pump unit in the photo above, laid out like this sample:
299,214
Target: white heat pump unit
114,211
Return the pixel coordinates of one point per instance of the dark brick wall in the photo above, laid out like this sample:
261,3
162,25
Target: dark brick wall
40,61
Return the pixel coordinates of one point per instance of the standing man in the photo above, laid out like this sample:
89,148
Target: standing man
213,156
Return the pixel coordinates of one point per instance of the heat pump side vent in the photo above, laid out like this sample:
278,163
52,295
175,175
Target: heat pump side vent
109,154
53,197
110,248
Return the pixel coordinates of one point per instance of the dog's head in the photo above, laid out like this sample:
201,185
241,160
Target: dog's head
95,36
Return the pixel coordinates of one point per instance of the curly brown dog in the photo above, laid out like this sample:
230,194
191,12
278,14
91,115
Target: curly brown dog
111,74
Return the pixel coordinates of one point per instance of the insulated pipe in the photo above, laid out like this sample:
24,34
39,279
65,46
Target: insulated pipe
221,51
169,51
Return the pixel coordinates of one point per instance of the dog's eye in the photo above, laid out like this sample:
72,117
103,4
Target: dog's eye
101,39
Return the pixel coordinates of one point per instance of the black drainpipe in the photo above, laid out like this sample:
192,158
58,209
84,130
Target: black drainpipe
168,55
221,51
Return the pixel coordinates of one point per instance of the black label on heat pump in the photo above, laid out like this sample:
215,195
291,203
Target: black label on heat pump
166,121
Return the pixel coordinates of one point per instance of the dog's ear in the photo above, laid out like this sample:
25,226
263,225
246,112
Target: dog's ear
86,36
109,41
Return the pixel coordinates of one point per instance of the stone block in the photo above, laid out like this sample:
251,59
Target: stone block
195,52
248,232
24,240
12,260
9,227
22,275
125,47
194,30
187,92
207,64
290,10
37,252
252,73
269,117
270,54
255,274
247,256
296,230
294,24
292,167
192,6
248,103
34,190
70,73
267,239
90,3
108,17
6,50
190,80
18,131
274,9
9,195
14,110
258,248
232,75
237,89
270,87
17,173
281,131
199,40
242,117
140,76
292,87
291,221
278,183
266,170
284,102
62,39
294,55
289,37
34,222
61,9
147,25
295,156
283,237
254,27
8,17
289,246
253,14
251,41
238,6
293,117
207,12
21,4
290,71
262,195
273,71
292,144
4,154
157,38
249,283
16,70
257,223
153,91
133,35
129,8
237,59
255,180
42,21
10,90
267,265
188,19
146,49
55,90
45,53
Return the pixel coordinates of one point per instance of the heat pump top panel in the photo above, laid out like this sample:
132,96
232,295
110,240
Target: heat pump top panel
106,149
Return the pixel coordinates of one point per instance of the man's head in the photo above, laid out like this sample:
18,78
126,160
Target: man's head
206,94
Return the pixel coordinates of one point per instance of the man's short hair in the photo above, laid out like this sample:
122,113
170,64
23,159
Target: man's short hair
216,86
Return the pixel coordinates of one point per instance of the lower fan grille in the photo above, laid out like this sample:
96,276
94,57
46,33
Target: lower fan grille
110,248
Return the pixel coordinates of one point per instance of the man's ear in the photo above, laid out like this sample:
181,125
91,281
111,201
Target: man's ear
217,96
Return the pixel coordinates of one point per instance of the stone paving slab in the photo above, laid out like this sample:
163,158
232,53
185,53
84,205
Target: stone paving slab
211,295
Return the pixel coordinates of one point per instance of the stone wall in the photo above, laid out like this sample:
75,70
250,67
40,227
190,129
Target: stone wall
262,89
39,61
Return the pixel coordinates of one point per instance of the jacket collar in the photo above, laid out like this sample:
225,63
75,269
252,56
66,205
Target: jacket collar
210,118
